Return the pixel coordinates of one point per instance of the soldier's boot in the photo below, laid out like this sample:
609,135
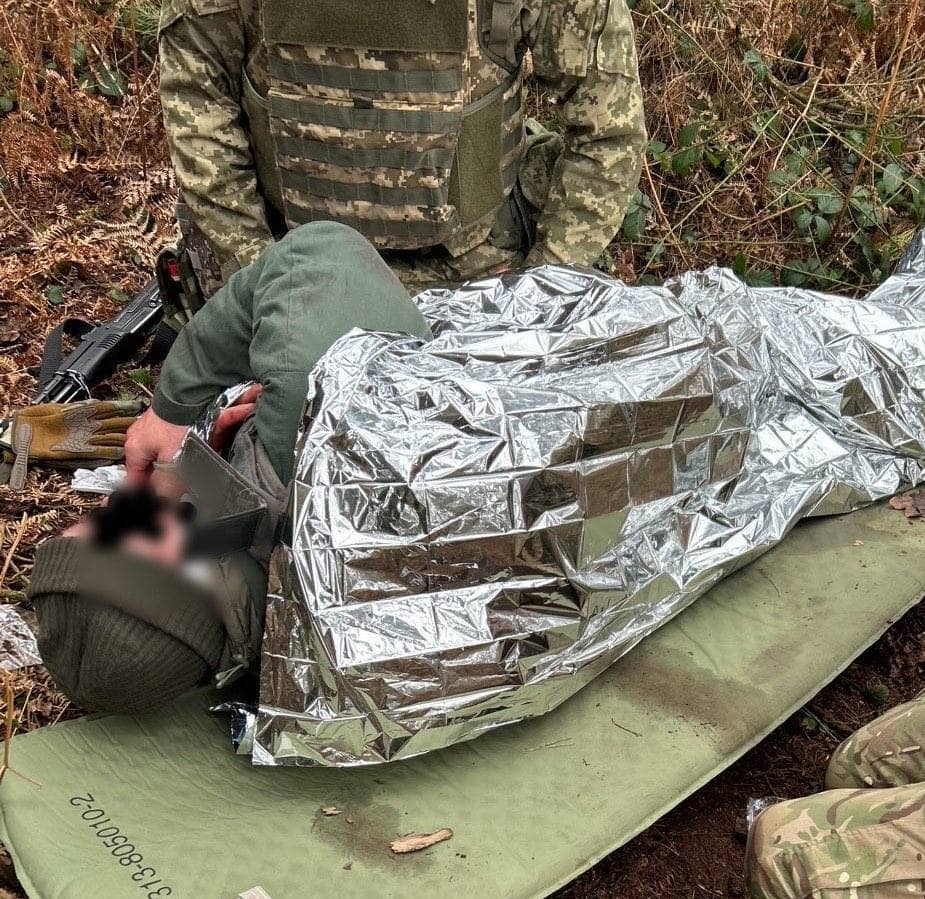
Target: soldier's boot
841,844
888,752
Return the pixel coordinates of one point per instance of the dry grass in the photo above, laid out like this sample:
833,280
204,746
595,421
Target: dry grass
755,108
86,199
744,86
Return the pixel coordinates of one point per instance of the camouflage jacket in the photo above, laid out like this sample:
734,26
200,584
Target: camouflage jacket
206,45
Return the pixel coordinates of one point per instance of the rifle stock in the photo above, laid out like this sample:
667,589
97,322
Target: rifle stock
102,348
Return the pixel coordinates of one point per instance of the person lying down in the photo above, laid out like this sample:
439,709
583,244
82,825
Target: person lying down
152,596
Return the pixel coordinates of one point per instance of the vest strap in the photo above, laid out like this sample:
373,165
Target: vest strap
382,80
362,119
304,148
347,191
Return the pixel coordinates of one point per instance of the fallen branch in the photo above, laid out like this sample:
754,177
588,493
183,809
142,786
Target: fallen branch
414,842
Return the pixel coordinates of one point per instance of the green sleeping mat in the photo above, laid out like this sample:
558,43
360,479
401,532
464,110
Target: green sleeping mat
530,806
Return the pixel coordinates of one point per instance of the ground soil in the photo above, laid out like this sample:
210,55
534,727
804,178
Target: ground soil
698,850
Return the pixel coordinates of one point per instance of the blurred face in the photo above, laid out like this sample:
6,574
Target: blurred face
167,547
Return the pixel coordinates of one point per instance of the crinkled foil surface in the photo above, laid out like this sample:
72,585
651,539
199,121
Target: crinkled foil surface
484,523
18,646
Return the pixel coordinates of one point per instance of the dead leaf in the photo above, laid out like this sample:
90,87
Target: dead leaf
414,842
912,505
858,542
330,811
349,820
10,336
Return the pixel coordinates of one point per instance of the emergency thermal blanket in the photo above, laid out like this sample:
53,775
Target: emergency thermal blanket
485,522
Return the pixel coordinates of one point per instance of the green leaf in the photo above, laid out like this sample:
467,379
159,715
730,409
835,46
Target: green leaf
865,18
54,294
759,278
740,266
656,252
829,203
111,82
767,121
866,214
119,295
823,229
634,224
714,157
780,178
684,161
689,133
141,376
891,181
656,148
7,103
756,63
79,55
803,219
794,273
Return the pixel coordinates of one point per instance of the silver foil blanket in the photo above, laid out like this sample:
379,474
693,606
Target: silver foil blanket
483,523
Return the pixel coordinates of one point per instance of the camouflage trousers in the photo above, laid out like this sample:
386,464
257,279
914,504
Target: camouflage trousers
864,837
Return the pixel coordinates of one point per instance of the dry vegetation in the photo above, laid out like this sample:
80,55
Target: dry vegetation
772,151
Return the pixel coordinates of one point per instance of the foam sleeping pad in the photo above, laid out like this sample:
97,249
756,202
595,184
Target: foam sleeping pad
531,806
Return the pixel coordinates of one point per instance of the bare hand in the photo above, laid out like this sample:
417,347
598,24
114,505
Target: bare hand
150,440
232,417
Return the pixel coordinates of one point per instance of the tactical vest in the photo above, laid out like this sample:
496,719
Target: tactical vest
401,118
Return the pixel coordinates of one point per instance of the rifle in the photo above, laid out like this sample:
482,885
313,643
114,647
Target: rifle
103,347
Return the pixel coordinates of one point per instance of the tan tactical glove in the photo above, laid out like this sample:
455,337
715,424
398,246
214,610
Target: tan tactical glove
65,435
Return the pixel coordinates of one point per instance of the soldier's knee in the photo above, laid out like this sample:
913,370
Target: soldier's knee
888,752
765,865
338,245
847,769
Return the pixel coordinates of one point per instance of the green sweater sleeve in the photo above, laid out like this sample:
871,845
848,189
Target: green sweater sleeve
274,319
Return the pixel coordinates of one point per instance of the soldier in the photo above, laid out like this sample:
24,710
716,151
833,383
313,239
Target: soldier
131,612
403,119
864,838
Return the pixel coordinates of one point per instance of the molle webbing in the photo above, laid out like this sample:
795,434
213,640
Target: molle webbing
367,107
364,157
344,78
397,234
412,121
371,193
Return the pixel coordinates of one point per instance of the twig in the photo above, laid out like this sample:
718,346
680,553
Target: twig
17,537
614,723
661,212
139,99
800,118
7,721
881,114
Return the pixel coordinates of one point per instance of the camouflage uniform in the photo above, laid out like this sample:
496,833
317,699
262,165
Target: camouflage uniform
574,187
864,838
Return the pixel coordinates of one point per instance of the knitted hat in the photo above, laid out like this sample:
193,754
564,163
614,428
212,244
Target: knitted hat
120,633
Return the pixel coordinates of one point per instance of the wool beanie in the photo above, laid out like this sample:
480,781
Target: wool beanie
118,632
